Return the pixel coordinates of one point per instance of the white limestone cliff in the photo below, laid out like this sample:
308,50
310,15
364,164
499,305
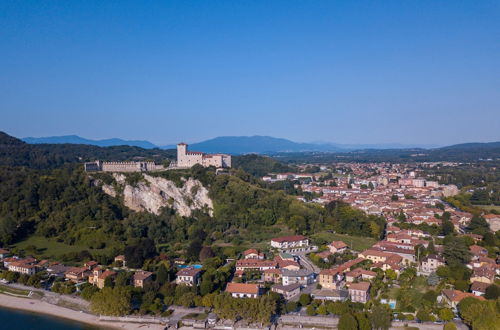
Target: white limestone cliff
153,193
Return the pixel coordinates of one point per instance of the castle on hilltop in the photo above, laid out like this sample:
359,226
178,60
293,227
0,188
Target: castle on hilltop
99,166
187,158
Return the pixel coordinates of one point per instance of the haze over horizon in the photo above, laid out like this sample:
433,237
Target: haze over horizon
418,72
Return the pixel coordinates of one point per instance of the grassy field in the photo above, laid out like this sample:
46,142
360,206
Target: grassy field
489,207
45,248
9,290
355,242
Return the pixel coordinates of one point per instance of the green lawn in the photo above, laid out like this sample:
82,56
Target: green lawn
9,290
196,316
46,248
489,207
355,242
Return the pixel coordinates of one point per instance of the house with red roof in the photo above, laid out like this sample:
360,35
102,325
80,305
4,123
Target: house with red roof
243,290
338,247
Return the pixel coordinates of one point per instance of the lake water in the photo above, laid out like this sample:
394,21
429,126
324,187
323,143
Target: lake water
11,319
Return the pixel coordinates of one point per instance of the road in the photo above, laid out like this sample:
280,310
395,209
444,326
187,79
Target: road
307,263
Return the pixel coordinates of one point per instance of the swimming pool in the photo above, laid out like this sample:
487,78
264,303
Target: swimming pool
196,266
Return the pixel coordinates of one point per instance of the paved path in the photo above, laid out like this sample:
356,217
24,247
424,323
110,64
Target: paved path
306,263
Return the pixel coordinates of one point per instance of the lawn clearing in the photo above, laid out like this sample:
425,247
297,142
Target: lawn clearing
355,242
45,248
12,291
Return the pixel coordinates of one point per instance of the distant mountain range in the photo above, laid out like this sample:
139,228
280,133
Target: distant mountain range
75,139
230,144
53,152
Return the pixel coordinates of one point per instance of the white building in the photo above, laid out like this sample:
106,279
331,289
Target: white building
187,158
288,242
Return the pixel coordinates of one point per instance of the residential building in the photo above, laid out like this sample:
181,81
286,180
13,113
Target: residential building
189,276
338,247
359,292
121,260
255,264
301,276
359,274
141,278
273,275
374,255
243,290
431,263
22,267
453,297
330,278
253,254
290,242
485,274
287,291
478,251
77,274
99,275
479,288
57,270
4,253
330,294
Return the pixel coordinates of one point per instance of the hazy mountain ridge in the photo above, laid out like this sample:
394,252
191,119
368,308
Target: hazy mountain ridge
75,139
238,145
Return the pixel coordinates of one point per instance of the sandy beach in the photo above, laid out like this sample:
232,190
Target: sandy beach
41,307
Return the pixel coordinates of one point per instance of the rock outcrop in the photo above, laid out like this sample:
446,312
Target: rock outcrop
153,193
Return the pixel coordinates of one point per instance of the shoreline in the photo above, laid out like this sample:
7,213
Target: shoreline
44,308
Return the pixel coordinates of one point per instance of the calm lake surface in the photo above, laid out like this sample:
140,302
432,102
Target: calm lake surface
19,320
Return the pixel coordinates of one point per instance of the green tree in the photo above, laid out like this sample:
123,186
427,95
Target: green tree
492,292
322,310
363,321
305,299
310,310
450,326
446,314
88,292
456,252
162,274
347,322
110,301
380,317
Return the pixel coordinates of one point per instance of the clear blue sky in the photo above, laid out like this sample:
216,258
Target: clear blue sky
340,71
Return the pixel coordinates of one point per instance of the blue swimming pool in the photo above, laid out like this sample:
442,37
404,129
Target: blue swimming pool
197,266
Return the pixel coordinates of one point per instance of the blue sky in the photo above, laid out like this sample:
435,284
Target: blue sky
339,71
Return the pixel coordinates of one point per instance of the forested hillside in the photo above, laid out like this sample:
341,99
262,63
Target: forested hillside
66,205
14,152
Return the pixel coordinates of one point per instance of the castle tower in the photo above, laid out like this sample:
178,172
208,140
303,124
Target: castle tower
181,154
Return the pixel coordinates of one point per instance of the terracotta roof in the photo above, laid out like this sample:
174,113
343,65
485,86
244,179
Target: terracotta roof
479,286
106,274
457,296
250,251
242,288
331,271
188,271
362,286
142,275
338,244
256,263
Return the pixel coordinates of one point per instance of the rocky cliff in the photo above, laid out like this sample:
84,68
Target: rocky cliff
153,193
